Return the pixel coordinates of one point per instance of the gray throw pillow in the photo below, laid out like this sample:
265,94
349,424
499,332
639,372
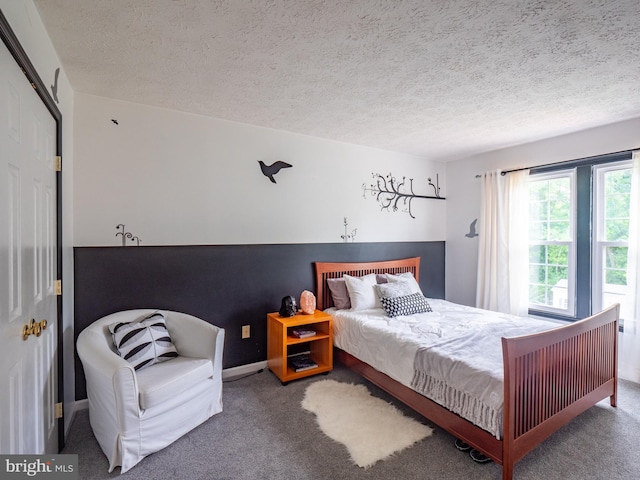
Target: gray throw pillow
339,293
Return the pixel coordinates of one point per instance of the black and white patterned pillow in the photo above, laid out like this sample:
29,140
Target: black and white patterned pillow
143,342
405,305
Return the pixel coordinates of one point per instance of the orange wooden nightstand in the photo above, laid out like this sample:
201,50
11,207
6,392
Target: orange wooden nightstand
282,344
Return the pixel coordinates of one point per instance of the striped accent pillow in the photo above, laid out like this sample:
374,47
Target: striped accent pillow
143,342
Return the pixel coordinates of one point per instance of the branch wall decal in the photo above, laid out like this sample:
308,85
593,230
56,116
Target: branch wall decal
391,193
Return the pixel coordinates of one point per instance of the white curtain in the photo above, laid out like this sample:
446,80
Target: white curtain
629,358
503,251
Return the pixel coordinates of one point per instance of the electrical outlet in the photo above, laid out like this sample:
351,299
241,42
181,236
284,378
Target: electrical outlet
246,331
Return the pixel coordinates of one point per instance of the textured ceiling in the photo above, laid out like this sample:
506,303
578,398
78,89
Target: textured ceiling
441,79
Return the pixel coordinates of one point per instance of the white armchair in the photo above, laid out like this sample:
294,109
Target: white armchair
136,413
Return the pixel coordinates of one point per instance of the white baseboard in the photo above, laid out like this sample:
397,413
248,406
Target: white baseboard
243,369
81,404
226,373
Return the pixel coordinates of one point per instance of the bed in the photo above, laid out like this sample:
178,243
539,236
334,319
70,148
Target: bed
548,377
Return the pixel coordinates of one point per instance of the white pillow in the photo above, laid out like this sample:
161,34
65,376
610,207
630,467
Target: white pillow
393,289
361,292
405,277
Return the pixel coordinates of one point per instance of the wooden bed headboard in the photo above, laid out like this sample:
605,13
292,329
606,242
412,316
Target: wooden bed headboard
326,270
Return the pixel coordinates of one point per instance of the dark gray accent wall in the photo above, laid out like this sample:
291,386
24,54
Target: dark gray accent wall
226,285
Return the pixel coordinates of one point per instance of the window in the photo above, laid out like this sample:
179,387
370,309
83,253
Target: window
552,242
578,235
611,220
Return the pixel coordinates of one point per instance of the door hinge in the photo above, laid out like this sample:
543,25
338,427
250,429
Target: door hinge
58,287
58,163
59,411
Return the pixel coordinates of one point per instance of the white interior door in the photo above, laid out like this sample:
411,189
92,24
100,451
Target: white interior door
28,368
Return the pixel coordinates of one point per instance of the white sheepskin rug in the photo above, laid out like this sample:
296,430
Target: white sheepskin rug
369,427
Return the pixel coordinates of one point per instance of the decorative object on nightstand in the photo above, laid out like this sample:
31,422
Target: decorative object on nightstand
301,363
307,302
290,356
303,332
288,307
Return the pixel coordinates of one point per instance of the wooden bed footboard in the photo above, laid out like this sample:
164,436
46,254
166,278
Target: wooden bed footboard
553,376
549,377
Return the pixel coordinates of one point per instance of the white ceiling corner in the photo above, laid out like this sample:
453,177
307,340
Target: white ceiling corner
437,79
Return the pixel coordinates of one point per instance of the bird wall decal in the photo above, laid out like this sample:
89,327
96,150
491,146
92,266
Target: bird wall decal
54,87
270,170
472,230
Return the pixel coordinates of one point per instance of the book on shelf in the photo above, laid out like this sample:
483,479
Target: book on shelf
302,332
300,363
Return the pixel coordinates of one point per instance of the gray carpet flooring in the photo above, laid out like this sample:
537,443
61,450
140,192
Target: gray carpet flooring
263,433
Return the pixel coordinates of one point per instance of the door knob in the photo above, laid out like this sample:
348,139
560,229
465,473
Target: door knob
33,328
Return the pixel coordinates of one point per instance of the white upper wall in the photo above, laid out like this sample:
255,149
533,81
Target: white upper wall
463,200
175,178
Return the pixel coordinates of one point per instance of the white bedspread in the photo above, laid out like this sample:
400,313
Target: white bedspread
456,351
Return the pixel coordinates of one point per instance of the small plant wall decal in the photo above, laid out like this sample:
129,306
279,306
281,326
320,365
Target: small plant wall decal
394,195
346,237
126,235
